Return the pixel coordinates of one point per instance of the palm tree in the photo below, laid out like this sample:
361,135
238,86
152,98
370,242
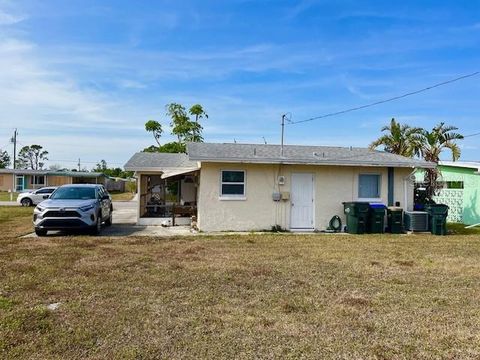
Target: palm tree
398,140
199,113
430,145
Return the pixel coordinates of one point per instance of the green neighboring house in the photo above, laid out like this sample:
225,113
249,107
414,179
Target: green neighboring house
461,190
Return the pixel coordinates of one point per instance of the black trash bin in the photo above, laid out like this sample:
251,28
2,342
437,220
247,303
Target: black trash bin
437,218
395,220
357,216
376,218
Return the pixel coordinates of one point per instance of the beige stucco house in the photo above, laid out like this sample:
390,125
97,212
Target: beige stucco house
246,187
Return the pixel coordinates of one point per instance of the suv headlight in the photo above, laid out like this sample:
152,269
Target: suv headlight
87,207
39,208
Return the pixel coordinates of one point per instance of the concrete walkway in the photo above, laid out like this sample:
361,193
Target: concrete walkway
9,203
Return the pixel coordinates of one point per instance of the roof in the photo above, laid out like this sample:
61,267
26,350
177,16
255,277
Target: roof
51,172
299,154
23,171
462,164
145,161
76,173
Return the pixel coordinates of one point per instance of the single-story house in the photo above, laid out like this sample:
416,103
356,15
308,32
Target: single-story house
245,187
20,179
460,182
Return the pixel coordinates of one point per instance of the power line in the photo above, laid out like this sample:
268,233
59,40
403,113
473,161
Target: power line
83,161
475,134
386,100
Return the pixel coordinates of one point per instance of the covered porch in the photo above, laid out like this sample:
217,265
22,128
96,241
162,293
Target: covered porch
167,198
167,185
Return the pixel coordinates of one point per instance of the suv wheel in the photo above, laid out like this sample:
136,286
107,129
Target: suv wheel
109,221
26,202
98,225
40,232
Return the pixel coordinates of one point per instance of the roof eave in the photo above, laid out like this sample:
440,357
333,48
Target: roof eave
425,165
159,169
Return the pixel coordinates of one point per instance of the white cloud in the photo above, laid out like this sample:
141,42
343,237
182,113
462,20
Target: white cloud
10,19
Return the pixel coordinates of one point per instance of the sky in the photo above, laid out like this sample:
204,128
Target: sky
81,78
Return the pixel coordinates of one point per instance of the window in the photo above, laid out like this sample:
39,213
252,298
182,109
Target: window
369,186
37,180
45,191
74,193
232,184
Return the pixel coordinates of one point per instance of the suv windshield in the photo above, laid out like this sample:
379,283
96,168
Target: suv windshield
74,193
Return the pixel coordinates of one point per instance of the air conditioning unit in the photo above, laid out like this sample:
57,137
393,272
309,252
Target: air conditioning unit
416,221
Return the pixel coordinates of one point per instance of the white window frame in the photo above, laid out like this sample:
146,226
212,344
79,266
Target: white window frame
379,198
233,196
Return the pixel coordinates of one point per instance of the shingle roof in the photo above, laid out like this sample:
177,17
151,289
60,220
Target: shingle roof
298,154
155,161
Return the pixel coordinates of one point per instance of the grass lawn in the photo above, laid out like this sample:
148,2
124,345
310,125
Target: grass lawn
15,221
250,296
121,196
5,196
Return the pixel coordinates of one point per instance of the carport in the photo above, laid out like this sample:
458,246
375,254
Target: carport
167,188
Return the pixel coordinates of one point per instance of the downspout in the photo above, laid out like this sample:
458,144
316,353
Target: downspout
391,186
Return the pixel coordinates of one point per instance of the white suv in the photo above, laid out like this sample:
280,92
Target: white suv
80,206
35,197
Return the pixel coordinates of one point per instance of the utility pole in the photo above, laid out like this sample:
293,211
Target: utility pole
14,141
78,164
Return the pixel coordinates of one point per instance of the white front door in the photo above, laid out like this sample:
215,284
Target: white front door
302,202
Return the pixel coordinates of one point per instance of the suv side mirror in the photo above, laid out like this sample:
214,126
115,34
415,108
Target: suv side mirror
105,197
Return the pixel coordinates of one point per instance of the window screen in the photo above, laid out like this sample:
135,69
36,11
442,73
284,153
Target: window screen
233,183
369,186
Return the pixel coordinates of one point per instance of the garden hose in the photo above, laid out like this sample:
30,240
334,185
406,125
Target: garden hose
335,224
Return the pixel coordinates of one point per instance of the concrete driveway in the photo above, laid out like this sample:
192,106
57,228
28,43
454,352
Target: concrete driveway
125,212
124,219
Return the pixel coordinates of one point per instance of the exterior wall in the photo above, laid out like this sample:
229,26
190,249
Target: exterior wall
58,180
6,182
470,200
333,185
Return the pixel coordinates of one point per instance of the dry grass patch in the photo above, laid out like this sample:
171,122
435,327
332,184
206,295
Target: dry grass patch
265,296
5,196
15,221
121,196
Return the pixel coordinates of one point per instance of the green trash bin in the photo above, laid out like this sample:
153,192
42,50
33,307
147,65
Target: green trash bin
438,218
395,220
376,218
357,216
